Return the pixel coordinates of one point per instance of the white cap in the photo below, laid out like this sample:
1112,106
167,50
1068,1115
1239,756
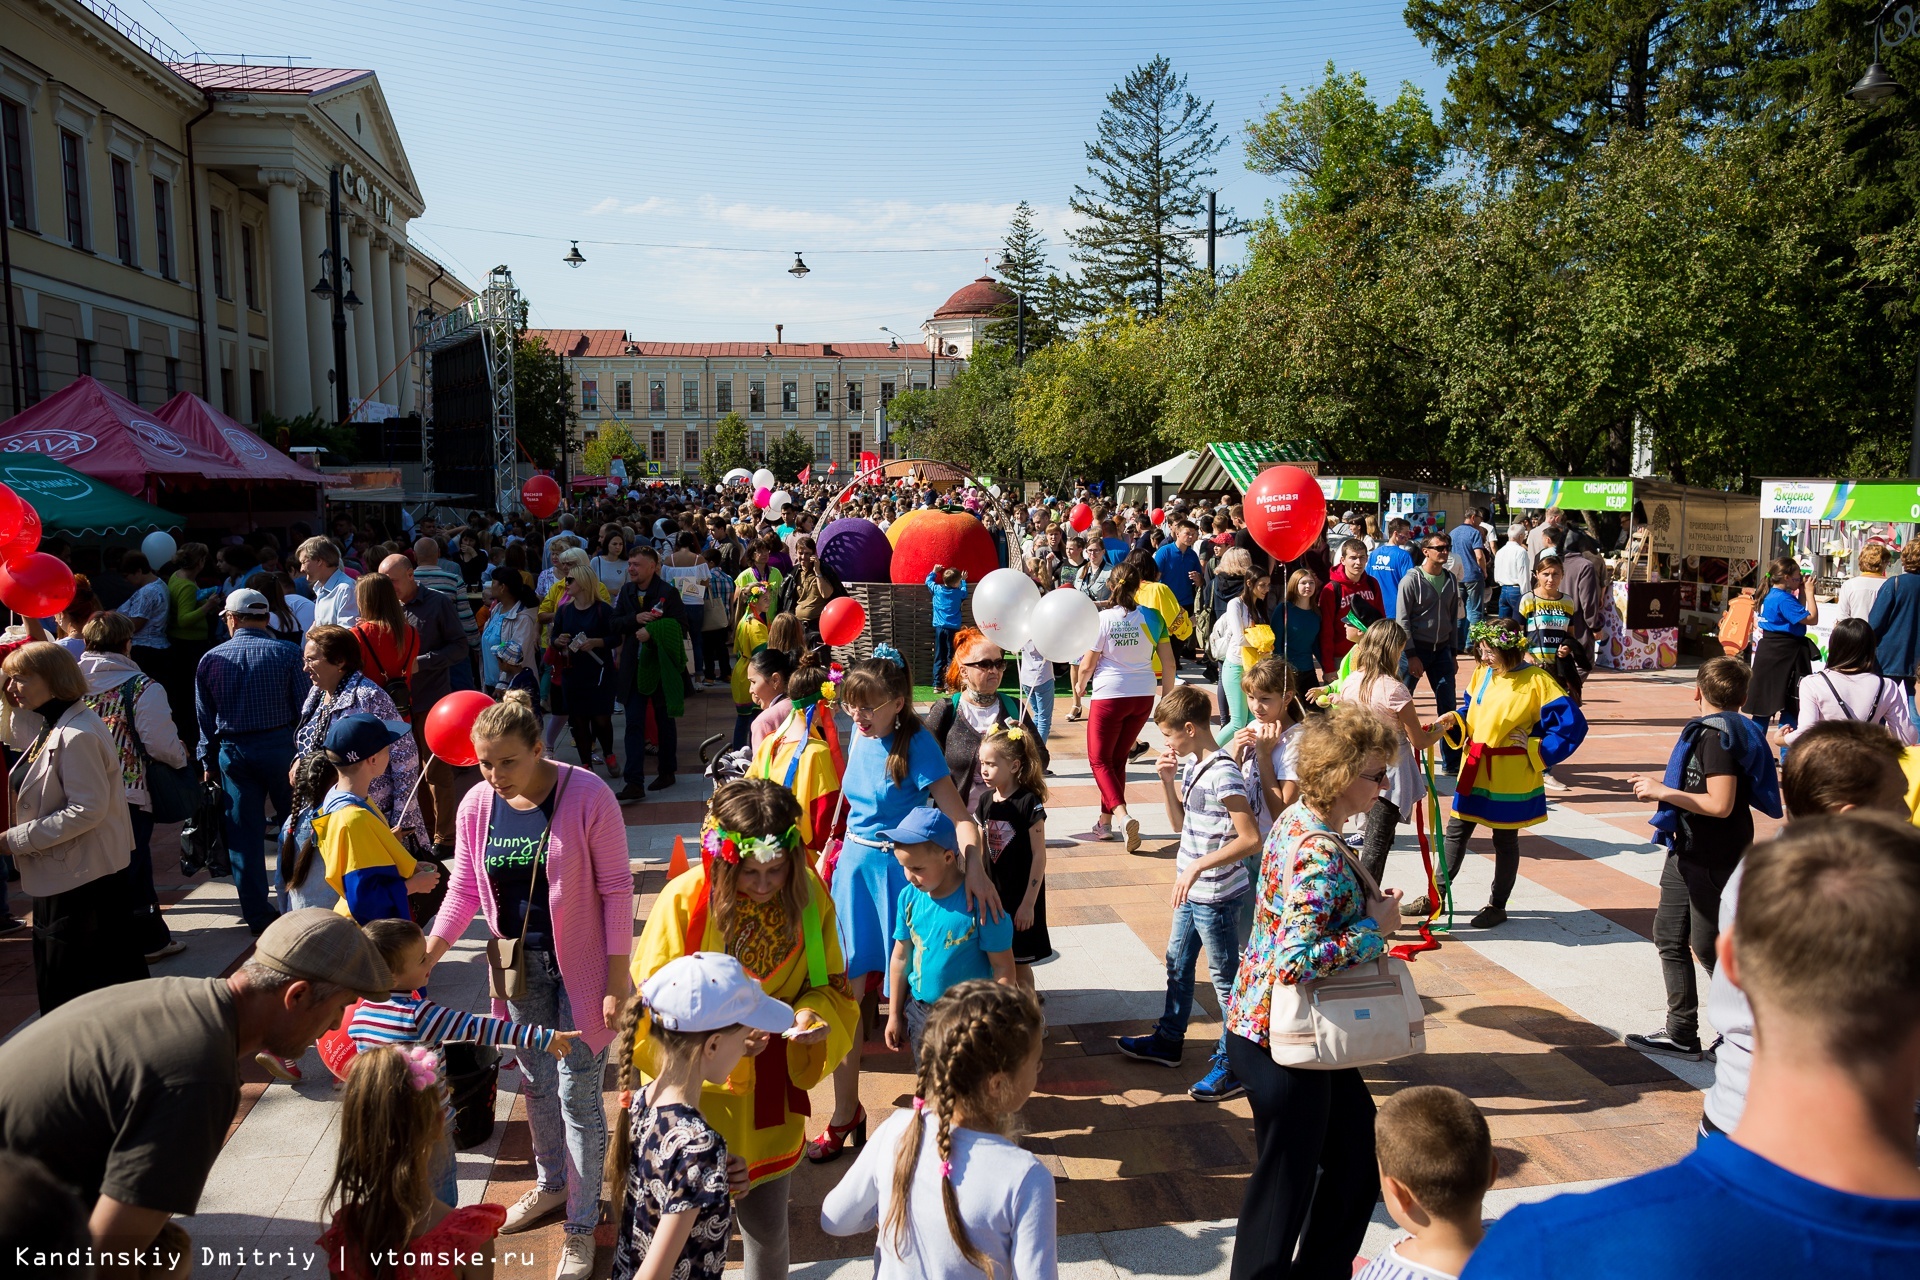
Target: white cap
246,603
711,991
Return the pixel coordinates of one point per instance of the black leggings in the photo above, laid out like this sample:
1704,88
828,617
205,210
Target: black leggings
1307,1126
1506,857
1382,821
585,729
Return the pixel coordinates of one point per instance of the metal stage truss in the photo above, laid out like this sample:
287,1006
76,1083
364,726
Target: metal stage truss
466,377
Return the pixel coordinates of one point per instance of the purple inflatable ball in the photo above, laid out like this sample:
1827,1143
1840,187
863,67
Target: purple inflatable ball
856,549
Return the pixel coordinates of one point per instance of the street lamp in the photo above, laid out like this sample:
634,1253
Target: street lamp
893,339
1005,270
799,268
1877,85
574,258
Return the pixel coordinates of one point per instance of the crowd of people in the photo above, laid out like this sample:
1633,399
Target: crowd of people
872,872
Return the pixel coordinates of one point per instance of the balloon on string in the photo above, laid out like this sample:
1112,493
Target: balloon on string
1159,515
449,726
764,479
761,497
1064,625
541,496
1286,511
779,501
26,537
1081,517
36,585
842,621
1002,607
158,547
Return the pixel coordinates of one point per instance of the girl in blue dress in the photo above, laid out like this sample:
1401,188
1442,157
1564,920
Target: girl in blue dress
1784,656
893,766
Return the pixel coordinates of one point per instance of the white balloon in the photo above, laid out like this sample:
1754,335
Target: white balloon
779,500
158,547
1002,604
1064,624
763,479
994,489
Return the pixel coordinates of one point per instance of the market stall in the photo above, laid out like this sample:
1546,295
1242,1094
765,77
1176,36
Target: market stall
1171,474
1225,469
1823,524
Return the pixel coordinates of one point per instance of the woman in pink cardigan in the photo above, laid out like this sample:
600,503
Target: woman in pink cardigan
541,849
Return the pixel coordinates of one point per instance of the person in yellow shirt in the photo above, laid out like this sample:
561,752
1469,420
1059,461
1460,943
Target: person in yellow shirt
749,637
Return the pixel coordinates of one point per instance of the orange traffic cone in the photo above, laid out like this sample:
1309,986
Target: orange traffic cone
678,865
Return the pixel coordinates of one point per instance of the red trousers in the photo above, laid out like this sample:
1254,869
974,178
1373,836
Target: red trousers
1113,724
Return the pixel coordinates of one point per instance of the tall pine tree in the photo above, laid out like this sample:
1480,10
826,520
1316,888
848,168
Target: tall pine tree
1156,143
1048,298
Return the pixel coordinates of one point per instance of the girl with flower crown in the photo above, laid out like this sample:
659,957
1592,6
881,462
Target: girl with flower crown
803,755
754,898
1519,722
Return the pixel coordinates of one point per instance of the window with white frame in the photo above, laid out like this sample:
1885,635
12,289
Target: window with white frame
589,395
73,186
689,395
789,397
163,226
823,445
757,444
886,394
756,395
656,395
856,395
853,446
723,395
822,396
623,396
659,446
692,445
123,241
15,169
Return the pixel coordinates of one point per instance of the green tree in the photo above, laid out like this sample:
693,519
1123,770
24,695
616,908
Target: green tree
970,421
544,413
1335,144
728,450
789,455
1092,406
910,419
1156,143
613,441
1025,271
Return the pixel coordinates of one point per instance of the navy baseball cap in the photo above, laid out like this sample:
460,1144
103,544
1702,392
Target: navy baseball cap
925,826
351,739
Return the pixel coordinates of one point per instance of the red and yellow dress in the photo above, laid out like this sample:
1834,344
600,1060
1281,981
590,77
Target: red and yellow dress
1500,784
762,1108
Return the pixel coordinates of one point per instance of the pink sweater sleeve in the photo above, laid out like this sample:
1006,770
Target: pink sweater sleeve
606,831
463,883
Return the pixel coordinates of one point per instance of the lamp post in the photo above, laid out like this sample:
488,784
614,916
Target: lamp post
1878,83
336,288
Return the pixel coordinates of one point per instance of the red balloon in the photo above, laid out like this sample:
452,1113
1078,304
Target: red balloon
11,505
37,585
842,621
26,536
1286,511
1081,517
541,497
449,727
1159,515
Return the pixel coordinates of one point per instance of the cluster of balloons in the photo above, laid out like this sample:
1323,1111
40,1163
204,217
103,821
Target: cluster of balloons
771,500
32,582
1011,611
541,496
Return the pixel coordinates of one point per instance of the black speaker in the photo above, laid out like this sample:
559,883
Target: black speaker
462,420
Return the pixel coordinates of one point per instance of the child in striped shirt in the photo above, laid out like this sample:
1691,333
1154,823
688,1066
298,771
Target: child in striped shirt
1436,1166
406,1017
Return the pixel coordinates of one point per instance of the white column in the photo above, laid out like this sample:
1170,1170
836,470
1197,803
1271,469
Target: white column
403,334
286,285
365,354
381,300
313,238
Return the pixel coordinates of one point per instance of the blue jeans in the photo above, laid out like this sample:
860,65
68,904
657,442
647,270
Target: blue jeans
1510,602
564,1106
446,1170
942,653
1222,927
1474,596
253,770
1440,666
1038,700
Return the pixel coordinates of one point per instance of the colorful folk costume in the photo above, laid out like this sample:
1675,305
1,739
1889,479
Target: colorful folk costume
804,756
1500,784
749,638
761,1111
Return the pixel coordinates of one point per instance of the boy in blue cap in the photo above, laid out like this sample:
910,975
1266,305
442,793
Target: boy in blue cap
937,942
365,862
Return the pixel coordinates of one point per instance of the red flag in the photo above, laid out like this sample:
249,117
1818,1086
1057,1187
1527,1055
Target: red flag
803,474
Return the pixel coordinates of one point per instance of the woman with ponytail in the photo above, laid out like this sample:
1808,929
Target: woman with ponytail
893,767
951,1194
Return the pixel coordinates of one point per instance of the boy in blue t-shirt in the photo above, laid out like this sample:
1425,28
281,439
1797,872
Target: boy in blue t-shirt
949,587
938,942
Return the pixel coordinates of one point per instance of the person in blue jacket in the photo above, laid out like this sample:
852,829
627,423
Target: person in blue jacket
949,587
1895,619
1390,562
1784,656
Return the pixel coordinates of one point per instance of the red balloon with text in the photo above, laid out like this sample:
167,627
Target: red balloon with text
449,727
36,585
541,496
11,507
25,539
1285,511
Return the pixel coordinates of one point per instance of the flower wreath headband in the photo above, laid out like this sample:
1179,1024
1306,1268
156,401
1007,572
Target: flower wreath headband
1497,633
731,846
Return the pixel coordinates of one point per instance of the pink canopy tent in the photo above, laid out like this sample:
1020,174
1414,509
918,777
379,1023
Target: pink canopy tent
113,439
198,422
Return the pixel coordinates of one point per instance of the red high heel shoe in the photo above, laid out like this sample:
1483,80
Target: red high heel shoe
826,1148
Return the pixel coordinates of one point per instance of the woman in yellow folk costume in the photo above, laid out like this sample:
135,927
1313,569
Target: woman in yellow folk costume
1519,723
749,638
754,899
804,756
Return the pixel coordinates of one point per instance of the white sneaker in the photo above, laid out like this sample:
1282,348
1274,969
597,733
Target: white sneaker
1552,783
576,1257
529,1209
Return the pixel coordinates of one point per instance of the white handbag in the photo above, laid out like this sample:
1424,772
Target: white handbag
1366,1014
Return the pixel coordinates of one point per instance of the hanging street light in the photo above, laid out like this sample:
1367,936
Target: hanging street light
798,269
574,258
1878,84
350,300
324,290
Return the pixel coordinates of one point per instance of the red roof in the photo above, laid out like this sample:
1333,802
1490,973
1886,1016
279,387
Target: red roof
600,344
984,297
266,79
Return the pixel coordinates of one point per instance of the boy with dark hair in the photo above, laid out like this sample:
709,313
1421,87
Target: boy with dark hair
1818,1177
1720,770
1436,1165
1212,806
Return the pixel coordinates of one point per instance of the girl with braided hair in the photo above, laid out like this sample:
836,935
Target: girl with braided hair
946,1160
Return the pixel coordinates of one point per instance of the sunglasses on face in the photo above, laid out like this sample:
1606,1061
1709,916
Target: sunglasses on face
986,664
1375,778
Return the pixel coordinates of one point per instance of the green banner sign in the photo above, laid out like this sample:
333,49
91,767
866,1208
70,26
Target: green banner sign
1572,493
1350,488
1896,500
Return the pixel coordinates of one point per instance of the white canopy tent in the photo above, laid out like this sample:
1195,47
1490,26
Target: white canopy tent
1172,474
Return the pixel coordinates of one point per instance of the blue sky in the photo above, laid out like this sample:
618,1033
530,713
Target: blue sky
852,131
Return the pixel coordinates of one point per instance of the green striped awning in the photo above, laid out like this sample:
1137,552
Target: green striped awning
1234,463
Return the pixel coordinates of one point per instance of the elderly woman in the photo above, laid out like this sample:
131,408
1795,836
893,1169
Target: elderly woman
332,658
1859,592
1316,913
753,897
960,720
72,837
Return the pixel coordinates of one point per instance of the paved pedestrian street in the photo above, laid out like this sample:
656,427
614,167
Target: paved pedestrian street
1526,1019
